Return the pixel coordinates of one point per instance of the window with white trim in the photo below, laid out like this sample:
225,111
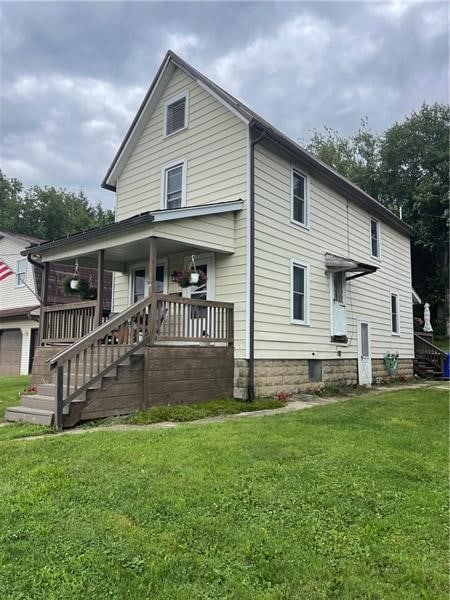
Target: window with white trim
299,293
176,114
299,213
375,238
21,272
173,186
395,318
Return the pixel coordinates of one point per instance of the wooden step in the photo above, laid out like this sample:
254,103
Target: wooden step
30,415
39,401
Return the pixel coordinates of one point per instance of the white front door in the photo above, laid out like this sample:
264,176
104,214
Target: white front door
200,316
338,305
364,353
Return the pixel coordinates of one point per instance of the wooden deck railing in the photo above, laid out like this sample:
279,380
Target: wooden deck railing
428,352
163,318
67,322
189,320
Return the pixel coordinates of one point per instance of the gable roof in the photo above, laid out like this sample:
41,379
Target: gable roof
254,121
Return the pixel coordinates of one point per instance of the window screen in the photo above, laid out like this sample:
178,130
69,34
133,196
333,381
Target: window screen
374,238
174,186
299,198
394,313
21,272
298,293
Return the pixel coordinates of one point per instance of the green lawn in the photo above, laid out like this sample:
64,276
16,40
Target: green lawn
341,501
9,391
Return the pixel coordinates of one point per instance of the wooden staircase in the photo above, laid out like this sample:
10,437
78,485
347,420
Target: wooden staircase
41,408
82,372
428,359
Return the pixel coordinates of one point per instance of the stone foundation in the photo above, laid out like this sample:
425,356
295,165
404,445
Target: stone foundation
380,373
292,375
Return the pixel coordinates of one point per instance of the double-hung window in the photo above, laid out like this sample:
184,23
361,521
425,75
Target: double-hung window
299,292
174,191
395,316
21,272
299,212
176,114
375,238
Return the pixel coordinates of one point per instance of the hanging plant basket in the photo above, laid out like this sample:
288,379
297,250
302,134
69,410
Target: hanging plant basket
82,289
187,278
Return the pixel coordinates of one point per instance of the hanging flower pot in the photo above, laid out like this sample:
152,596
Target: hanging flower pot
194,277
74,284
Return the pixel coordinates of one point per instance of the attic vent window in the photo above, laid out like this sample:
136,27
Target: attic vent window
176,114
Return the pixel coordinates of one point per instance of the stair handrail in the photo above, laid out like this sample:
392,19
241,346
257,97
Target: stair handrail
99,332
431,351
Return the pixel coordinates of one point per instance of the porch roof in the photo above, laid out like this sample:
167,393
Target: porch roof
336,264
206,226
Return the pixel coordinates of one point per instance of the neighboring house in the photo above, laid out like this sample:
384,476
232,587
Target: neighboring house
20,301
309,278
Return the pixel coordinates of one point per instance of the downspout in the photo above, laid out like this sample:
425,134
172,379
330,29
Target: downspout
251,361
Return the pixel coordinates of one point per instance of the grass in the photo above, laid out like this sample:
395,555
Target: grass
190,412
9,391
343,501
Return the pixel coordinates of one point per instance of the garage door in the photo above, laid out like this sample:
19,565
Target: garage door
10,347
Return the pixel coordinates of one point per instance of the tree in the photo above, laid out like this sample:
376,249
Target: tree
407,166
47,213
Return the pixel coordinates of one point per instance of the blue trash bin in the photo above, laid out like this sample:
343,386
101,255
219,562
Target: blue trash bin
447,365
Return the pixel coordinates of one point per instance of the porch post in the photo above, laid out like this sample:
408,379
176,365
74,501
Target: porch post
44,300
153,311
152,265
100,286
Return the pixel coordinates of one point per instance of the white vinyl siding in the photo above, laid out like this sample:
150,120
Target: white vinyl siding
300,200
395,314
214,146
375,239
21,272
339,227
11,295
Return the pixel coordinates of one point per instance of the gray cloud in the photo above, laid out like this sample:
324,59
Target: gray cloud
73,74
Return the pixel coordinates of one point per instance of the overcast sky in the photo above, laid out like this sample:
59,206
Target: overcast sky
73,74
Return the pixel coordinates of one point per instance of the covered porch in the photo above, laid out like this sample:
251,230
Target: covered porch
146,254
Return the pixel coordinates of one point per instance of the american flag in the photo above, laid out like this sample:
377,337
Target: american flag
4,271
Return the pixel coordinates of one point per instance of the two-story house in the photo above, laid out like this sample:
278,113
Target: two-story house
308,277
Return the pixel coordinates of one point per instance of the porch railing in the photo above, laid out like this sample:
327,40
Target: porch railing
67,322
190,320
158,317
424,350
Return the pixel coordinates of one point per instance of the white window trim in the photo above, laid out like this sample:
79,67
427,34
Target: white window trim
21,285
379,238
397,295
298,262
175,163
306,225
167,103
163,262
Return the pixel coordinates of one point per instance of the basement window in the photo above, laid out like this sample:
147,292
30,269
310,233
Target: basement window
314,371
175,115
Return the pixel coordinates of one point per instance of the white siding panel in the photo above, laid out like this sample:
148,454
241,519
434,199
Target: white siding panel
338,227
215,148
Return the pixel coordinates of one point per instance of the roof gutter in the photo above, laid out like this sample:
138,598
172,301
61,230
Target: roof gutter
91,233
251,361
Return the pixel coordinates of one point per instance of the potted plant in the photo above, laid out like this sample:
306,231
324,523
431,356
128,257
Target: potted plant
74,283
188,278
82,289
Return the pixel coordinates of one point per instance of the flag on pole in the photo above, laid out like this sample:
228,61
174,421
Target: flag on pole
4,271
